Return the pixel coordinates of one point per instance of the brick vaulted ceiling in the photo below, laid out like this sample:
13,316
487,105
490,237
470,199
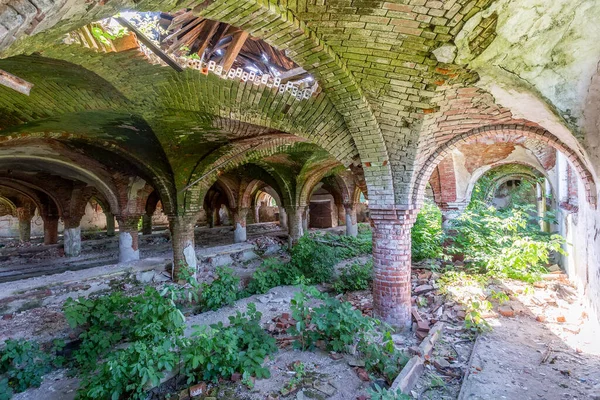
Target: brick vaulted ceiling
390,94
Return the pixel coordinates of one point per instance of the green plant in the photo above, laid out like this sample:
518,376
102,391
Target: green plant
340,326
379,393
427,235
23,364
299,370
500,297
272,273
222,291
218,351
148,326
354,277
185,292
315,260
503,242
473,319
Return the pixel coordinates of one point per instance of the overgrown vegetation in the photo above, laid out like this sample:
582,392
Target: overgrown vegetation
356,276
427,235
312,261
147,331
23,364
343,328
506,242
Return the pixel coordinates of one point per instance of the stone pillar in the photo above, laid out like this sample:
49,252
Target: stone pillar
283,219
239,224
72,237
392,265
128,238
51,230
24,215
110,224
146,224
351,221
182,239
295,216
305,219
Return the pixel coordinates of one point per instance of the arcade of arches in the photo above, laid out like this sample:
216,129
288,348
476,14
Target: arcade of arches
303,113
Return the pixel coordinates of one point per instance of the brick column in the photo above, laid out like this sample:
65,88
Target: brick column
392,265
24,215
239,224
72,237
51,229
283,219
295,216
146,224
182,240
351,221
128,238
110,224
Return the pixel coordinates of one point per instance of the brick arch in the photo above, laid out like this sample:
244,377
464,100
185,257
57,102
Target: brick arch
315,176
501,133
309,51
29,190
229,157
315,119
477,174
163,185
9,205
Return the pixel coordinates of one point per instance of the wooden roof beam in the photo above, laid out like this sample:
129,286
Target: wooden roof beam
237,42
15,83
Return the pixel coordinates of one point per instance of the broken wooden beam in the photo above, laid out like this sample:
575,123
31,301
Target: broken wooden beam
15,83
150,44
237,42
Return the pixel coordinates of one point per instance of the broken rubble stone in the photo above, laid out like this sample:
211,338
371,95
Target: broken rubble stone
561,318
363,375
423,326
325,388
506,311
409,375
356,363
423,289
540,318
336,356
198,390
440,363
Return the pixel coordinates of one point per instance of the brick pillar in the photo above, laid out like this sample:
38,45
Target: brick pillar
351,221
24,215
256,214
295,216
110,224
283,219
72,237
341,214
146,224
392,265
51,229
239,224
182,240
128,238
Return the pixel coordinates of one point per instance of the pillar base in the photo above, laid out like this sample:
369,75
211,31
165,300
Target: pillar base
351,221
295,216
72,241
128,238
